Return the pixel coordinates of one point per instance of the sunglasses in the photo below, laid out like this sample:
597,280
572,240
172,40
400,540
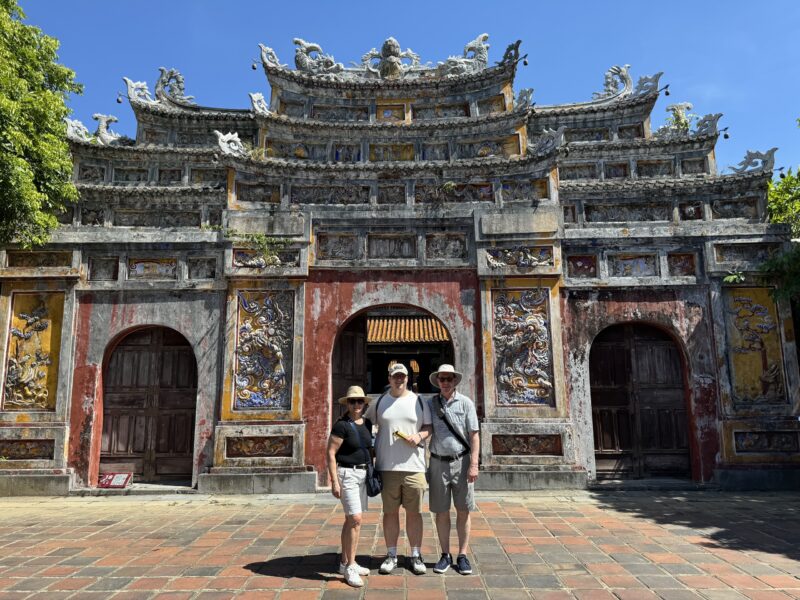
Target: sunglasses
446,379
355,401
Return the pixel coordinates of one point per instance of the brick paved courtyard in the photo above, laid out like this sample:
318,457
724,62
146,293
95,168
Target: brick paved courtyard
586,545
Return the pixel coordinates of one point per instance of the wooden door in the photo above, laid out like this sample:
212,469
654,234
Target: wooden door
149,397
349,362
638,404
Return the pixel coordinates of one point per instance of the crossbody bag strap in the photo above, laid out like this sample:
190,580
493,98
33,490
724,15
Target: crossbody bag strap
452,429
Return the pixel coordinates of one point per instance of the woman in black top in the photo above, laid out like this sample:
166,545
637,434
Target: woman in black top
348,453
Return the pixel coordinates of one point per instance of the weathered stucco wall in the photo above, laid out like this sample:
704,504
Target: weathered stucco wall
684,314
103,319
334,297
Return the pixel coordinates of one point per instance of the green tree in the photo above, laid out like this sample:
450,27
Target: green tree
783,205
35,162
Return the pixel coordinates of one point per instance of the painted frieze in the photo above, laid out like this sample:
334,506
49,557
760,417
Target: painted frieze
446,246
582,266
27,449
522,257
33,351
632,265
754,346
332,246
766,441
522,348
263,364
38,259
152,268
681,265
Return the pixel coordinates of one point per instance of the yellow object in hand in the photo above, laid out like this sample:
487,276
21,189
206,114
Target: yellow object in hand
401,435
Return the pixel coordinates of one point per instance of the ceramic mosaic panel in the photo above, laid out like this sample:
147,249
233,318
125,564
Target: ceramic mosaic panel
754,346
152,268
259,446
523,364
766,441
263,362
527,445
632,265
393,112
681,265
521,257
34,344
582,266
28,449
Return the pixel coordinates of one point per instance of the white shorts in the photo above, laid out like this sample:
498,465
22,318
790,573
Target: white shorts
353,483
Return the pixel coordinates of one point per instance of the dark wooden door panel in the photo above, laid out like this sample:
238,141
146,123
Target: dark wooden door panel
638,404
150,391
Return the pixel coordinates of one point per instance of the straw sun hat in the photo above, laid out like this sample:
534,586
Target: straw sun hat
445,369
354,391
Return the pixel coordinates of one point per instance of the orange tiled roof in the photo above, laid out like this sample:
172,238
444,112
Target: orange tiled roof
393,330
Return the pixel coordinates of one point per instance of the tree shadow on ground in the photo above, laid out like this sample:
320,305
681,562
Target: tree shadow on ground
314,567
752,522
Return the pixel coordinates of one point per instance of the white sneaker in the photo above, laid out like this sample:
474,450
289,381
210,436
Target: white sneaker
417,565
388,565
359,569
351,576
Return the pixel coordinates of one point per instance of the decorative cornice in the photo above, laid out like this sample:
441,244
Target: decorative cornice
140,150
683,185
106,189
616,106
591,148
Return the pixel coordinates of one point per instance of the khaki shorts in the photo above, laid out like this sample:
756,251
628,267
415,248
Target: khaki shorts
450,479
402,488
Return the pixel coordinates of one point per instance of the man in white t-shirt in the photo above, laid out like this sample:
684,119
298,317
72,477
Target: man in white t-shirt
404,423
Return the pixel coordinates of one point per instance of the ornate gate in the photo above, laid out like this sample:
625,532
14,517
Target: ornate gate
638,404
149,395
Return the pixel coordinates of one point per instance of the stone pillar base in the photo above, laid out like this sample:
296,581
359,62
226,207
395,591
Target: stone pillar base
531,478
35,485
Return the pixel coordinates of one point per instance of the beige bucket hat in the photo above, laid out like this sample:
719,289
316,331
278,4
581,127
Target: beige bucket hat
445,369
353,392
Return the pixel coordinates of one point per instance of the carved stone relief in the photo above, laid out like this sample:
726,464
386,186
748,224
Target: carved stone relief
28,449
483,149
654,168
740,208
202,268
693,166
391,246
331,246
616,170
38,259
681,265
127,175
91,173
621,213
338,113
263,365
632,265
521,257
446,246
270,194
195,138
167,218
754,346
569,214
297,150
33,351
582,266
572,172
435,152
524,190
522,352
391,152
170,176
630,132
209,176
527,445
743,253
244,258
297,110
587,135
766,441
154,136
441,111
103,268
347,153
335,194
493,105
690,211
92,215
391,194
258,446
473,192
152,268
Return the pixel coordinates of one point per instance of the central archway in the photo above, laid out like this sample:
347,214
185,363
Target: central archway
376,337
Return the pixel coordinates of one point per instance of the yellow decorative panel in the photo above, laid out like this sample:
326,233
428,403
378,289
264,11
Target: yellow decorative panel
754,346
33,350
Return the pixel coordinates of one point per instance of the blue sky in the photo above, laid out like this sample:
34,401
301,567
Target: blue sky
735,57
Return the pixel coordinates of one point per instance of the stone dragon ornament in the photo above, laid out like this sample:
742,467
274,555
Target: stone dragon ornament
230,144
523,99
617,83
474,58
138,92
390,60
170,85
756,161
309,58
259,104
548,141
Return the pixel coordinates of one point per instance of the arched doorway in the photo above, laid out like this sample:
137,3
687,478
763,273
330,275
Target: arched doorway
149,398
639,411
375,338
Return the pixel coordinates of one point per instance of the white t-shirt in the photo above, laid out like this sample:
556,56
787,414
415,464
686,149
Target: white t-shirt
406,414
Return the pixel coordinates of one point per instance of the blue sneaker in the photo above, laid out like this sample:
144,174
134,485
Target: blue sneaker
445,562
463,566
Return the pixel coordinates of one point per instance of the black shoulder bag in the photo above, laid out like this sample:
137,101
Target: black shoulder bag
373,479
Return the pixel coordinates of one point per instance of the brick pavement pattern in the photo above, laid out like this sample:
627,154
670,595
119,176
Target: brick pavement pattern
583,545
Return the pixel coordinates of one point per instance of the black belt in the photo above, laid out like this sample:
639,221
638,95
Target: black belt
450,458
362,467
